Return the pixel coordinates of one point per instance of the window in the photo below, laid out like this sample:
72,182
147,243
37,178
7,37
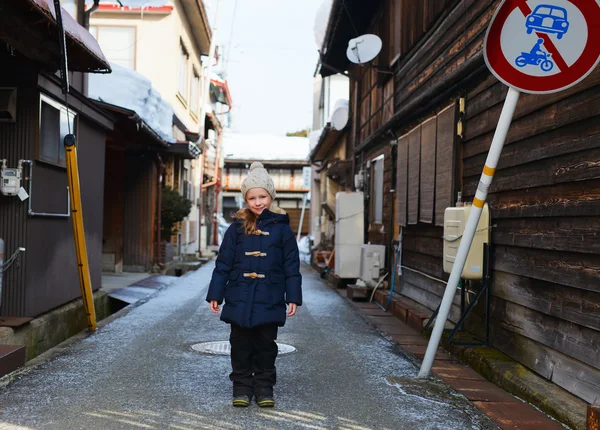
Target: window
377,190
117,43
184,60
54,126
195,102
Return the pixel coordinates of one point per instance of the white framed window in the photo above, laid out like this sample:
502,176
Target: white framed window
184,65
54,126
195,97
117,43
377,167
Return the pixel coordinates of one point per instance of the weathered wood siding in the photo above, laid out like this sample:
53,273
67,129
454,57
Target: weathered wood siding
545,200
546,208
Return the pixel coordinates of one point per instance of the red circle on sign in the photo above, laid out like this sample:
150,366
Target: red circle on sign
505,72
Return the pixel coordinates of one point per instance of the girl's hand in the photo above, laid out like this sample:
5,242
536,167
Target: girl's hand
292,309
214,306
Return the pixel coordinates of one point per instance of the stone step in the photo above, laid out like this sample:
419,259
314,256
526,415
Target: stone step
11,358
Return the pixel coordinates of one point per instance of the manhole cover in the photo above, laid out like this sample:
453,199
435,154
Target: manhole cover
223,347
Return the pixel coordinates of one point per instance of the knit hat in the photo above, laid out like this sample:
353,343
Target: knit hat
258,178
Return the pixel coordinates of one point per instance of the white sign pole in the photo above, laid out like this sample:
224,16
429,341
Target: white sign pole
302,217
489,169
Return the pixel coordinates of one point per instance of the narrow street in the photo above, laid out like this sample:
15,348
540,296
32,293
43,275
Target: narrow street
139,372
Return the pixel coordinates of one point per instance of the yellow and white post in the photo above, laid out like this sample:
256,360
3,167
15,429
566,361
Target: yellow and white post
487,176
85,281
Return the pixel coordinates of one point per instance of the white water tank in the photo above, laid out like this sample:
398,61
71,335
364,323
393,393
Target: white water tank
349,233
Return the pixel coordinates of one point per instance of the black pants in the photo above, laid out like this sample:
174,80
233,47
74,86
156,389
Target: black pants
253,354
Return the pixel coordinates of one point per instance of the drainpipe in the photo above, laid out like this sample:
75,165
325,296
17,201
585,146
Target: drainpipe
161,170
89,12
217,188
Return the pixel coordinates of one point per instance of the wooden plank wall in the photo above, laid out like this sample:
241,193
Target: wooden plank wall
438,58
295,215
545,203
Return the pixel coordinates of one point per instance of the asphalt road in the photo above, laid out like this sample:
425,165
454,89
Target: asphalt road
139,372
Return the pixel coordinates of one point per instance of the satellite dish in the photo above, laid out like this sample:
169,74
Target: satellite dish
339,117
364,48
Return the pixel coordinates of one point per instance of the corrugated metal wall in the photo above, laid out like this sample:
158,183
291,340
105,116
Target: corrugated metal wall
46,276
52,276
15,144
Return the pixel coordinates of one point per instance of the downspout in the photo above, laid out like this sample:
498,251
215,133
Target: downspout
89,12
161,170
217,189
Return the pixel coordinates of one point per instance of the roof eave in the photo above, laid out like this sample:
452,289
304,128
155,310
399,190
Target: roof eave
198,20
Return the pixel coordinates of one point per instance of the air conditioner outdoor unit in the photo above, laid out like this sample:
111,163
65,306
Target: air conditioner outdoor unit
371,262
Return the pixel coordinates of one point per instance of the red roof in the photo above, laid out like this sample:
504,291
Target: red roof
146,9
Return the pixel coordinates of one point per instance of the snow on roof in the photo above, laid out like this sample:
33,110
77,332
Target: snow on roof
261,147
321,21
313,138
128,89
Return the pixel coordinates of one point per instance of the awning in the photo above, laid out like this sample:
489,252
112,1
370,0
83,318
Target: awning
341,28
328,139
30,27
186,150
219,92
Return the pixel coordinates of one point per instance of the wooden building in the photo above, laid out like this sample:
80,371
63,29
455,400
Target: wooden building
330,157
423,122
45,275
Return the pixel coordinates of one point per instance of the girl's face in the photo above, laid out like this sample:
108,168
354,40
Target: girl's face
258,199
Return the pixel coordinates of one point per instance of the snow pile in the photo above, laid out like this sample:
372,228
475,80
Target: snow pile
128,89
260,147
304,248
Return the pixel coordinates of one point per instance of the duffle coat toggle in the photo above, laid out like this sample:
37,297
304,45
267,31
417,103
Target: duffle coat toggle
257,274
260,232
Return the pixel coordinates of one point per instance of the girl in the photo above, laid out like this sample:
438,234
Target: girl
257,273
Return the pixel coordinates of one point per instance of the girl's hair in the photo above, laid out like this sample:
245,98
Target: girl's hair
249,219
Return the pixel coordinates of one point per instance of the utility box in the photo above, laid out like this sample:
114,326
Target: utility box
455,220
371,262
349,233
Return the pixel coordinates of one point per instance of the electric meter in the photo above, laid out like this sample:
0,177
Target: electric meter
11,179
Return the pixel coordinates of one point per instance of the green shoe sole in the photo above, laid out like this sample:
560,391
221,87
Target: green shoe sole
241,403
268,403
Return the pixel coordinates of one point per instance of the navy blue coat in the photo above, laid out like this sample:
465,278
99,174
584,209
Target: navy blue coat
257,274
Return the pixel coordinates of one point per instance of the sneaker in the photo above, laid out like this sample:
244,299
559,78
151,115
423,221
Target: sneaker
265,401
241,401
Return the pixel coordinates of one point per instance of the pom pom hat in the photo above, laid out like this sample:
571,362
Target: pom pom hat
258,178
